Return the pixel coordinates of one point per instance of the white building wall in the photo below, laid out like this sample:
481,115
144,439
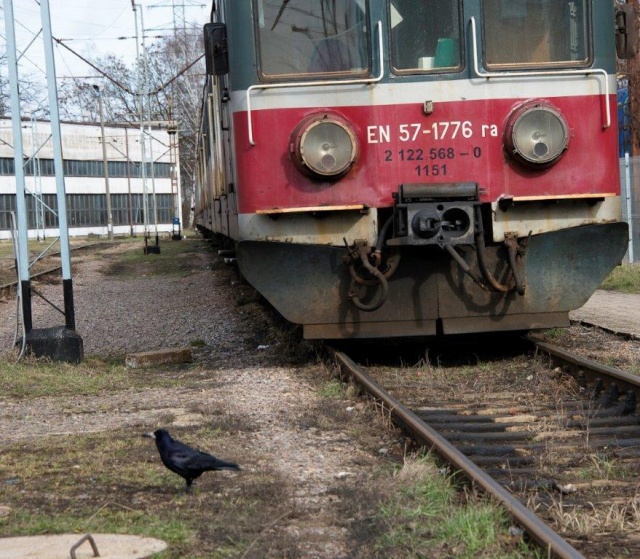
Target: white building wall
83,142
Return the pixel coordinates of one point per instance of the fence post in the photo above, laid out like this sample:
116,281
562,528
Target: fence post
627,182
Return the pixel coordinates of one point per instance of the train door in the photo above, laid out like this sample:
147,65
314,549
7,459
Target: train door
227,147
224,152
218,164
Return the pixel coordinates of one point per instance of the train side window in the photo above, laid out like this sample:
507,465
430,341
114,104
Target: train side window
306,37
536,33
425,35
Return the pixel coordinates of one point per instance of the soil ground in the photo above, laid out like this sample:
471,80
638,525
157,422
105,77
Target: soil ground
72,458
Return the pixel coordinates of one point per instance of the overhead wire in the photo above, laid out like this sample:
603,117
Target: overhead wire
94,66
124,87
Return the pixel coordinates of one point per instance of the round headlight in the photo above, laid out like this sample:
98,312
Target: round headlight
536,134
324,146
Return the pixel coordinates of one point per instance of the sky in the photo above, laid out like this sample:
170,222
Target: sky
94,28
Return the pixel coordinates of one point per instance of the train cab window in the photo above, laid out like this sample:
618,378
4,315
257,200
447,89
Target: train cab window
536,33
307,37
425,35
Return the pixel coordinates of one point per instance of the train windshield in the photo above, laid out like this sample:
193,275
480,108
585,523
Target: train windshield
302,37
425,35
536,32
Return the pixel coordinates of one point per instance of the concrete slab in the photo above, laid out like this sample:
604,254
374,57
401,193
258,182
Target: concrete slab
57,343
160,357
613,311
110,546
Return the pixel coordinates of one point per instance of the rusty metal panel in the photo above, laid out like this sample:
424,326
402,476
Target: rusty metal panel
323,228
370,330
310,285
504,323
562,270
546,216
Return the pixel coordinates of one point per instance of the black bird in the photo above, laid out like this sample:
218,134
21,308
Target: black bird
184,460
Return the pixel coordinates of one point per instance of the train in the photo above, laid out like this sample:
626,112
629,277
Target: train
400,168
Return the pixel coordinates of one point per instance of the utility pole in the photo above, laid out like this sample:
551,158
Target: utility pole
18,154
143,140
179,29
173,163
58,343
105,164
63,344
126,143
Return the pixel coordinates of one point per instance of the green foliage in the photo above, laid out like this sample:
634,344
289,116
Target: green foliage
174,258
41,377
332,390
113,482
606,467
427,518
624,278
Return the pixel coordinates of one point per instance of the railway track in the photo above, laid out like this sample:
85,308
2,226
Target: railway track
559,452
44,265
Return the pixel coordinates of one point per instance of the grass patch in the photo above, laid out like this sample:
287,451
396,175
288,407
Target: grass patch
606,467
40,377
175,258
33,378
332,390
426,517
45,251
555,333
112,518
114,482
617,518
624,278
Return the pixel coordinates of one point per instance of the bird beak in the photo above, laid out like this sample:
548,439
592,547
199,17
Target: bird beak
149,435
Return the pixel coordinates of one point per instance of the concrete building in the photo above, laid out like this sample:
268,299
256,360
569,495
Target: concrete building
142,199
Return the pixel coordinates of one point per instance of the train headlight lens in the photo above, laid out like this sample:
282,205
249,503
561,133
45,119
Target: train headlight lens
324,146
537,134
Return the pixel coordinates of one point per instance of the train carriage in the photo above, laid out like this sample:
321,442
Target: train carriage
415,167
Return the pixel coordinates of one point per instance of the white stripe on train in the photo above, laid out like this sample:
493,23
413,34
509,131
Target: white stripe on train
362,95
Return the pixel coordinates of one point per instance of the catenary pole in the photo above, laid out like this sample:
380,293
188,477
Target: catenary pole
628,196
18,157
105,165
67,283
140,101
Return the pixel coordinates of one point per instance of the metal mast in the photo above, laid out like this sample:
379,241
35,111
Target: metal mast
18,156
60,344
67,284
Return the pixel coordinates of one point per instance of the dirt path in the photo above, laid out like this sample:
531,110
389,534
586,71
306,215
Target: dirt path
270,413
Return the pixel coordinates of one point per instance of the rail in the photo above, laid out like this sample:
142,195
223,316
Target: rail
542,534
590,368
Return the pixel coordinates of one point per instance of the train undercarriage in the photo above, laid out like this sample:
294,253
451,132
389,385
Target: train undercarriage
429,293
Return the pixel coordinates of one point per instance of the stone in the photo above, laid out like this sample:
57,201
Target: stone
57,343
159,357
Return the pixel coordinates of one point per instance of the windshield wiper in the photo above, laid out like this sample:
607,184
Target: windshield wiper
282,7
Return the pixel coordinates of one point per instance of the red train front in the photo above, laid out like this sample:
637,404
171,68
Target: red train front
413,167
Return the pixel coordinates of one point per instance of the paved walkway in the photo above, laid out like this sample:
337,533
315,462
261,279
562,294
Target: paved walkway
618,312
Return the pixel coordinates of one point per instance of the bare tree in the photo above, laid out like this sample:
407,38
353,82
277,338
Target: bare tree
174,67
32,91
182,56
4,87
